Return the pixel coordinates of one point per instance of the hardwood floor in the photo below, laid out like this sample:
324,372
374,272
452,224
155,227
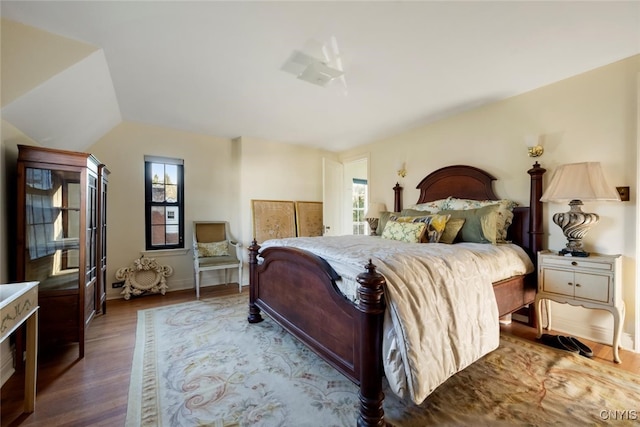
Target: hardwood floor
93,391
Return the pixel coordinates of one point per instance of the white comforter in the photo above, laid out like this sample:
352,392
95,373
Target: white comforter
442,314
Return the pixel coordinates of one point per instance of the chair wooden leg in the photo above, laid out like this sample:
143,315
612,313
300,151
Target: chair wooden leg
240,279
197,284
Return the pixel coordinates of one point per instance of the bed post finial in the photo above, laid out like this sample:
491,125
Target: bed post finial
397,198
371,306
254,311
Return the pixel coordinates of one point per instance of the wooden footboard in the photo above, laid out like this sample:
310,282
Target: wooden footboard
297,289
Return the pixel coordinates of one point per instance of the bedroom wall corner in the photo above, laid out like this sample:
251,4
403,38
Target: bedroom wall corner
24,66
211,183
272,170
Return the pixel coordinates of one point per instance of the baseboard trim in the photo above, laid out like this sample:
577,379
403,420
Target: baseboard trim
178,285
594,333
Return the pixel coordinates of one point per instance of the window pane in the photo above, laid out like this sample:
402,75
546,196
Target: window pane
157,235
158,193
157,173
172,234
171,192
157,215
171,174
173,215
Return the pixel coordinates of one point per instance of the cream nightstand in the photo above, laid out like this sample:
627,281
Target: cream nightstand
590,282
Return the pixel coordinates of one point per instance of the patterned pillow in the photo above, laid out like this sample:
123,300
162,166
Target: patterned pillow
436,224
504,214
382,221
434,206
213,249
410,232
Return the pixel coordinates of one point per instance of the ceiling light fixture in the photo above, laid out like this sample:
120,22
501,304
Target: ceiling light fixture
314,65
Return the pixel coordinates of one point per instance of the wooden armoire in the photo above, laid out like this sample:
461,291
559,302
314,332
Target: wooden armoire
61,239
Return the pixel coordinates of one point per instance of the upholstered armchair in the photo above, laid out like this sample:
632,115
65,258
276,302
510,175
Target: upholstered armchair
215,249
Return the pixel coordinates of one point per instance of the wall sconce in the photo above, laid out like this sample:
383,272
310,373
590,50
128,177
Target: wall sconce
534,148
402,170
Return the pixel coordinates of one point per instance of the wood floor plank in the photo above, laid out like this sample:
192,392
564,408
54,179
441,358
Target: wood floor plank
93,391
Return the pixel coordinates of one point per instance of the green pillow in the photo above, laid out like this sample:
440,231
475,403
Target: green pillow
479,225
413,212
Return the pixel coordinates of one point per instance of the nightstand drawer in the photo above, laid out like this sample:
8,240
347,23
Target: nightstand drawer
571,262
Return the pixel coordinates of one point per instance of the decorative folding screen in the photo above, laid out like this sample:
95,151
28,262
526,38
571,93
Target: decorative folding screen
277,219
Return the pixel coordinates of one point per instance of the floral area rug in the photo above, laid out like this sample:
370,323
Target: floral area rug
202,364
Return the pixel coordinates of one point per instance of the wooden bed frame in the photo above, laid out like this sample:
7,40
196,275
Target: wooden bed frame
297,289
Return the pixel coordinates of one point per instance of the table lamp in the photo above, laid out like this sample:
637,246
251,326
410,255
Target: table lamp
578,182
373,215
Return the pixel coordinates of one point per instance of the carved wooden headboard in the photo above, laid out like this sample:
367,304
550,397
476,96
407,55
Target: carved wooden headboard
468,182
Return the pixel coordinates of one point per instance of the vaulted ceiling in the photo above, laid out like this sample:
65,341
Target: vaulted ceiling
214,67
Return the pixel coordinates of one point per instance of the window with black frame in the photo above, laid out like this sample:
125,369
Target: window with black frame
164,202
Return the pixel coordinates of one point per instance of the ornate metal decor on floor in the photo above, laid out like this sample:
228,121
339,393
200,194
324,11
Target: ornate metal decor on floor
146,276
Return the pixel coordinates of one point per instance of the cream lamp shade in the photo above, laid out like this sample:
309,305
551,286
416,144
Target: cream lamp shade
373,215
578,182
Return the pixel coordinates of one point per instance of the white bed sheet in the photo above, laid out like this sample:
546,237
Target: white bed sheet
442,314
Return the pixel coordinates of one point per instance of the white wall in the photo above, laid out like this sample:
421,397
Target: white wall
211,186
590,117
276,171
31,56
221,177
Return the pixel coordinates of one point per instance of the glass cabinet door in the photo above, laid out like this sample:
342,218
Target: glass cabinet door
52,214
91,251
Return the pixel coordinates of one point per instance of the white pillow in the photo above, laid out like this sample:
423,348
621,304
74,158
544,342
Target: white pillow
433,206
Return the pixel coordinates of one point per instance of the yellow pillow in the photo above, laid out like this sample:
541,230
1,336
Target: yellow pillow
213,249
453,227
436,224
